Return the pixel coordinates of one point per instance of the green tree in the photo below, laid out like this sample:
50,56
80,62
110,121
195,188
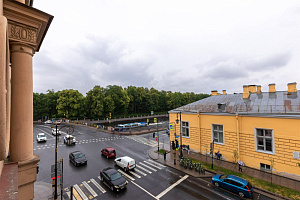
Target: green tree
69,103
119,97
94,102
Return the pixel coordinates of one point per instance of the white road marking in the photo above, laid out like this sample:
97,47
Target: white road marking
123,173
144,190
97,185
152,165
144,169
135,174
171,187
80,192
90,189
148,167
140,172
156,163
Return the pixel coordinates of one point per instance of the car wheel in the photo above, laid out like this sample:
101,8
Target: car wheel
112,188
217,184
241,194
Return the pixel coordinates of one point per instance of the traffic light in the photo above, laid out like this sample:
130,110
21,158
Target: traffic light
153,134
177,145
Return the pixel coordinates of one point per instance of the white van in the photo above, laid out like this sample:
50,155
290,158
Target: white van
125,163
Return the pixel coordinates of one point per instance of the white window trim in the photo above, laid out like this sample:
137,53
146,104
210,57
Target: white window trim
212,134
273,141
182,131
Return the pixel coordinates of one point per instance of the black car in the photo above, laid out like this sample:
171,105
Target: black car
113,179
77,158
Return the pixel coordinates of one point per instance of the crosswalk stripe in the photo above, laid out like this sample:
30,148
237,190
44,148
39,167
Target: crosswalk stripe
90,189
69,195
144,169
83,196
152,165
140,172
76,195
97,185
123,173
156,163
148,166
135,174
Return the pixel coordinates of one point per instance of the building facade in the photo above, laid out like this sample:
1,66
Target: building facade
262,129
22,30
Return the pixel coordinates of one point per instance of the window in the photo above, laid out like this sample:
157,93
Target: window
218,133
265,167
185,129
264,140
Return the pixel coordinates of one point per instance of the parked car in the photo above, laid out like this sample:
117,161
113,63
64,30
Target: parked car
113,179
125,163
77,158
69,140
233,183
48,122
41,137
109,152
54,131
58,122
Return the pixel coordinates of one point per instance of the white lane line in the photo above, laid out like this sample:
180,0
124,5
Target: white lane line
123,173
144,169
144,190
152,165
148,167
171,187
140,172
156,163
80,133
135,174
90,189
80,192
97,185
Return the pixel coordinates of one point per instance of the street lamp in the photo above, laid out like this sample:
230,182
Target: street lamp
179,121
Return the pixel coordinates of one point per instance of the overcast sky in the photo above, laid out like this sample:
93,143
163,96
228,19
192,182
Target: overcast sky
186,46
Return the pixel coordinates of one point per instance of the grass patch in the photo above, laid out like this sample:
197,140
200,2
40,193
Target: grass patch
281,190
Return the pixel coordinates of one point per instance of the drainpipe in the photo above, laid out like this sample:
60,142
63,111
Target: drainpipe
237,133
199,132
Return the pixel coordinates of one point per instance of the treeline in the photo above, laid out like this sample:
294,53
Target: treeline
100,102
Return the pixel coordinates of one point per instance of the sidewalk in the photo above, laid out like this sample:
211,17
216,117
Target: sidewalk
208,174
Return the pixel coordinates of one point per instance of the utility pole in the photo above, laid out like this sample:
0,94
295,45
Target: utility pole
55,194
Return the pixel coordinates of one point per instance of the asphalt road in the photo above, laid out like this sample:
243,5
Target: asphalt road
150,180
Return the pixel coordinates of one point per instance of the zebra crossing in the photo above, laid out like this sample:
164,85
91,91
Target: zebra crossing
143,140
90,189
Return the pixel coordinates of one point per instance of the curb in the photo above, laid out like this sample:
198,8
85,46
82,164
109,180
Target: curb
258,190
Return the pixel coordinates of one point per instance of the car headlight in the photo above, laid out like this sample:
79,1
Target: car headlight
116,186
212,179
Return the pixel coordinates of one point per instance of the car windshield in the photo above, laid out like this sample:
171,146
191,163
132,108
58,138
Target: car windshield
41,135
222,177
112,151
115,176
79,155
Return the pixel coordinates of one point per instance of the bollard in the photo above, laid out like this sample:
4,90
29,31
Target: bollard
165,155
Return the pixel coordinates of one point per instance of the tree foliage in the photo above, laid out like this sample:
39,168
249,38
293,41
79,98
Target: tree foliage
101,102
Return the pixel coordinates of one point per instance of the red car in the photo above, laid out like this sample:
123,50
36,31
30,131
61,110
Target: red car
109,152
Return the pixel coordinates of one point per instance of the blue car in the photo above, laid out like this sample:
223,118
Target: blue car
233,183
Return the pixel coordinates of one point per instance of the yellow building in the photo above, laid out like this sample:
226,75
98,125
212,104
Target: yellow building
257,126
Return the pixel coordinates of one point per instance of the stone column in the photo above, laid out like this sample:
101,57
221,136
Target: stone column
21,146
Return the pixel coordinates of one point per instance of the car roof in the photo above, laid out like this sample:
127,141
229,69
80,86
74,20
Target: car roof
126,158
109,170
77,152
237,179
41,134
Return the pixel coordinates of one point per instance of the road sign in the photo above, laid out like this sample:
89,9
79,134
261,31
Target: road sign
156,134
171,126
155,120
147,120
152,112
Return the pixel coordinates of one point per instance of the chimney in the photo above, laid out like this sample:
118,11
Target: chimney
272,87
292,87
258,88
214,92
252,88
245,91
224,92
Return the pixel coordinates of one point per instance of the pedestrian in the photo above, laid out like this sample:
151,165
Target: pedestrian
218,155
240,168
188,148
